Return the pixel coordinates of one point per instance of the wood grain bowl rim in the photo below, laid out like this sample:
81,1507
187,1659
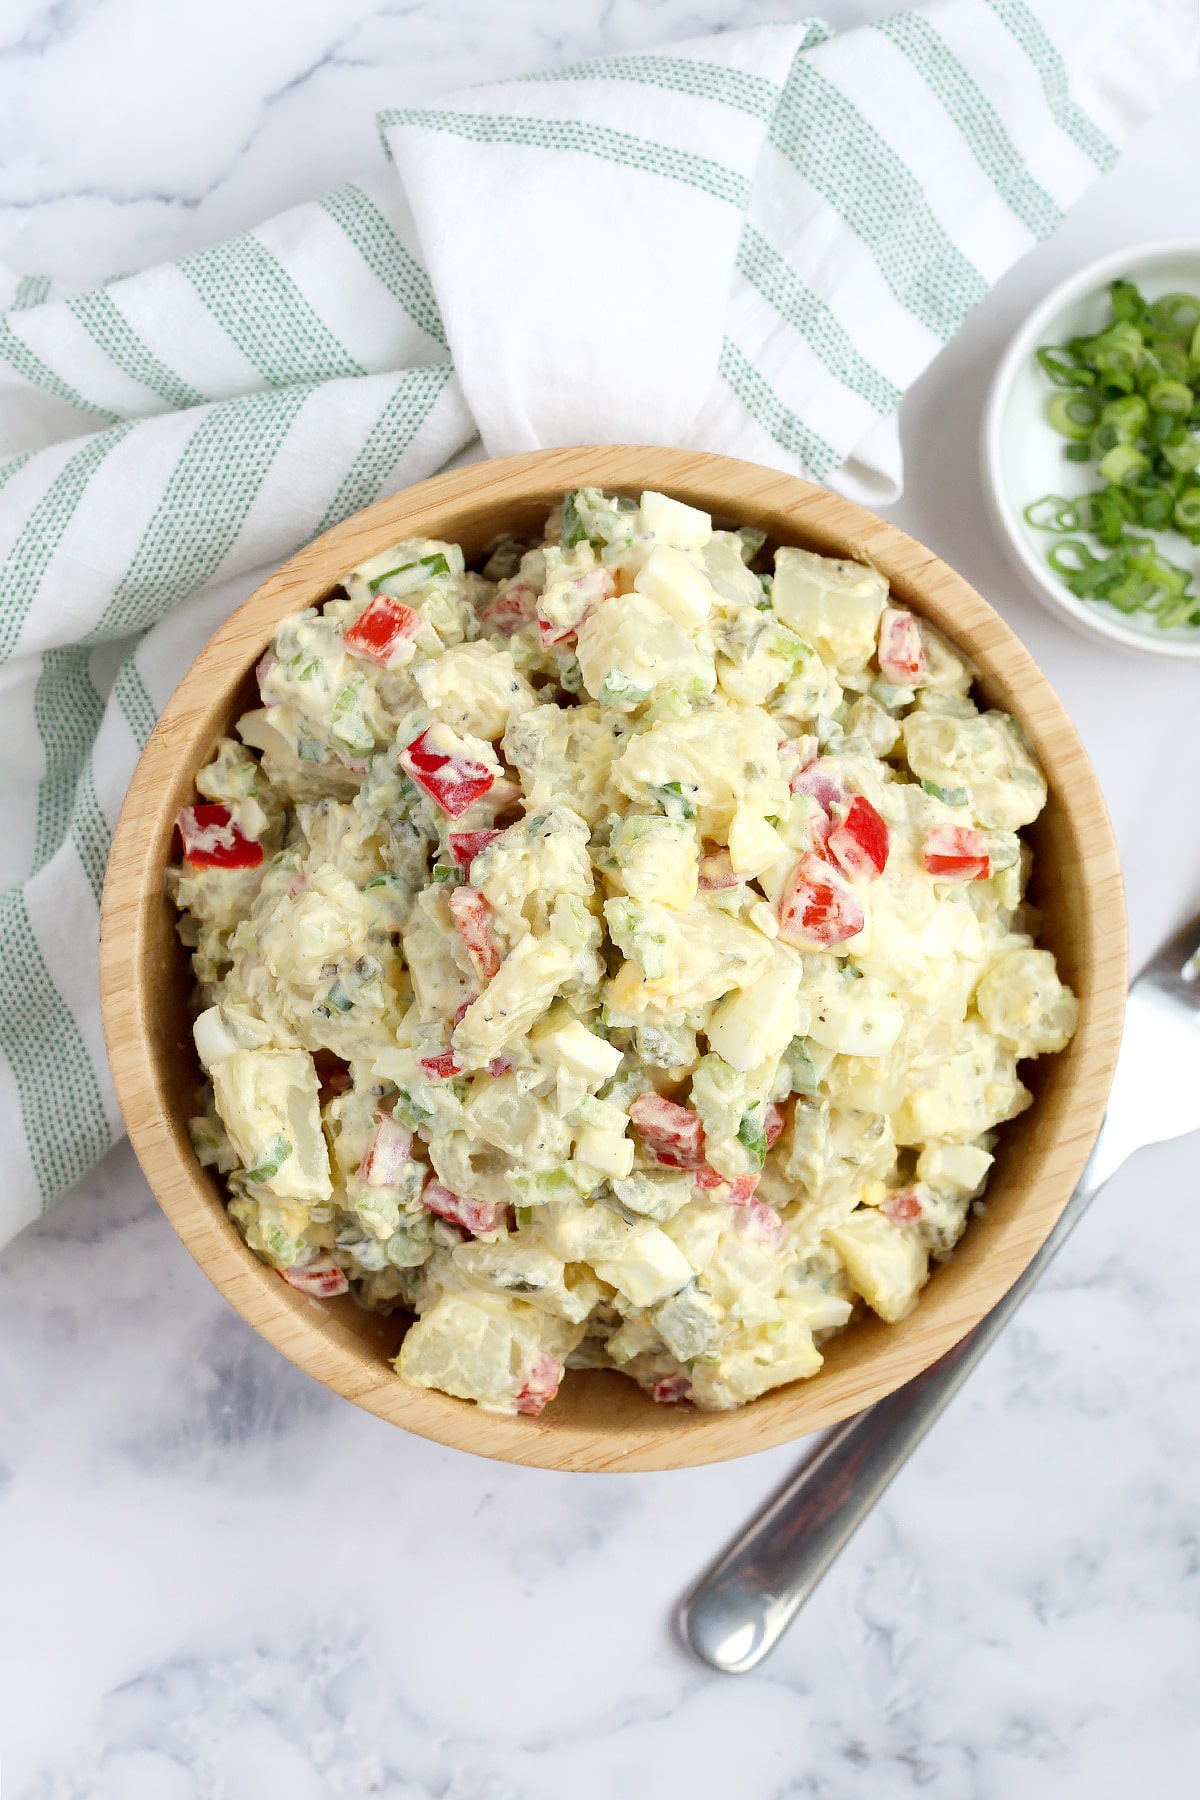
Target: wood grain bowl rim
602,1422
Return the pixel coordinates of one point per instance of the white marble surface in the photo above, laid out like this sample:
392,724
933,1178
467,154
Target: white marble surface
219,1583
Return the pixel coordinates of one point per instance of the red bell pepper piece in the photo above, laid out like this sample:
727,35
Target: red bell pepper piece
453,782
859,843
475,1216
211,840
957,853
589,589
672,1389
903,1207
510,610
716,871
262,669
442,1066
465,846
386,1154
825,788
668,1131
901,652
322,1279
541,1384
473,916
818,908
737,1192
774,1120
378,632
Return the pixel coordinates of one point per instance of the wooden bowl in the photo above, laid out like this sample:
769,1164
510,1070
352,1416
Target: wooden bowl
601,1420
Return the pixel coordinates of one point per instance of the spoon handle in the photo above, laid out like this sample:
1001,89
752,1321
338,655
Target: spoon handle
738,1611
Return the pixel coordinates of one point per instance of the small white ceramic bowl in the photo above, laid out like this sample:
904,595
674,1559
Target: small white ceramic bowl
1022,454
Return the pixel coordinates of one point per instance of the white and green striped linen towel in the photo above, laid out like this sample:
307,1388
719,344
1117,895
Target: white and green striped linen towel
752,243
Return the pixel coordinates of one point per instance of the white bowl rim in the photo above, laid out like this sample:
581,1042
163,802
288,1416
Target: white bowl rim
1093,276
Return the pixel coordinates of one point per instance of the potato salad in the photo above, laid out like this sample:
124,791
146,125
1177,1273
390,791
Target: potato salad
615,956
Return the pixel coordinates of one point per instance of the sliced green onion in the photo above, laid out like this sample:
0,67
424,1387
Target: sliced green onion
1187,510
1127,416
1170,397
949,796
1129,401
1162,427
1064,368
1105,514
1178,315
1053,513
1123,463
1154,506
1074,415
1127,303
1184,455
1170,360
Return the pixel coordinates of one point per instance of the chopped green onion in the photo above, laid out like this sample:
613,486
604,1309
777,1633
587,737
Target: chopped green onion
674,801
1064,368
1123,464
1185,455
1187,511
1163,428
1178,315
1129,401
1127,303
1063,515
752,1135
1127,416
272,1161
1170,397
1075,415
949,796
432,565
1154,506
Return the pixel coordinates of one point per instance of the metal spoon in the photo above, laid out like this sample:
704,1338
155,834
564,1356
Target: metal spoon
739,1610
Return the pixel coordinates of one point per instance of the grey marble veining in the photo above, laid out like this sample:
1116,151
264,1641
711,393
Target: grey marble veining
219,1583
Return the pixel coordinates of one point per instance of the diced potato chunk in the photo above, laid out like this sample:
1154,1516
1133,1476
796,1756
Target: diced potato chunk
270,1102
528,979
757,1023
834,606
648,1268
886,1264
674,582
987,755
856,1023
757,1358
657,859
954,1168
474,688
1022,1000
630,647
754,846
673,522
722,759
473,1346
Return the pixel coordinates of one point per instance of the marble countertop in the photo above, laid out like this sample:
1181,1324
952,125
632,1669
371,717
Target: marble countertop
221,1583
